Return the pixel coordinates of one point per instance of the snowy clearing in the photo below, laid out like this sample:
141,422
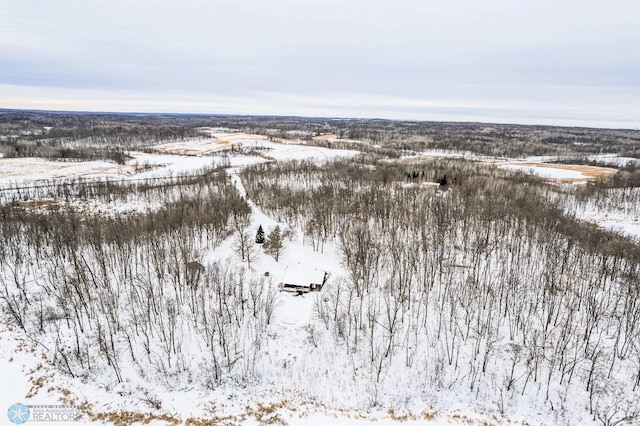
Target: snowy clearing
19,171
35,169
623,227
196,147
613,160
272,150
445,153
545,171
540,166
561,172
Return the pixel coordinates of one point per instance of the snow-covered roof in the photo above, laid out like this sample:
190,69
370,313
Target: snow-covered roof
302,276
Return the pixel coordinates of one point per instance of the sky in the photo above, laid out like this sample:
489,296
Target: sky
564,62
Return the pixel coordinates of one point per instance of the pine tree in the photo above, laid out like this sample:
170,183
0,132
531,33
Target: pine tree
273,245
260,235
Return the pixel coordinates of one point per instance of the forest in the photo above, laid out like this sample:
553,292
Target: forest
455,282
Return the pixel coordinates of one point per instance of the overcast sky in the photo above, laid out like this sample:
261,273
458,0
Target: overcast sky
569,62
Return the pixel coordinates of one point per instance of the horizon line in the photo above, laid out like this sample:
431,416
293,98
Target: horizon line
308,117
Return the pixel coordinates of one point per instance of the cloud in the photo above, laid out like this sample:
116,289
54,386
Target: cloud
486,52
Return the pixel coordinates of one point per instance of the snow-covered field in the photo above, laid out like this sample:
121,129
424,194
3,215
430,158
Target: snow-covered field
538,166
623,227
560,172
269,149
612,160
26,179
545,171
22,171
38,169
180,157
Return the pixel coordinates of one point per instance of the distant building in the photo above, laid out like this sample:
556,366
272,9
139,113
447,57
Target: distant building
302,280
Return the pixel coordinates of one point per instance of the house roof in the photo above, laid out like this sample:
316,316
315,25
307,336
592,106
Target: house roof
302,276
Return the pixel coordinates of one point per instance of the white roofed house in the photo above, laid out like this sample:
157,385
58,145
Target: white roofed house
302,280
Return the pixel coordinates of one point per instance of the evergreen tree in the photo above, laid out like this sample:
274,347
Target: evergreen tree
260,235
273,245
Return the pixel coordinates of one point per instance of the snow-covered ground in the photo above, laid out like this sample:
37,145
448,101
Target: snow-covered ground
621,219
25,179
37,169
571,173
612,160
33,381
545,171
24,171
623,227
447,153
540,166
29,379
16,171
616,209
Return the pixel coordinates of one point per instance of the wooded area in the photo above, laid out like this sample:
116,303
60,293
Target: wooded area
486,284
